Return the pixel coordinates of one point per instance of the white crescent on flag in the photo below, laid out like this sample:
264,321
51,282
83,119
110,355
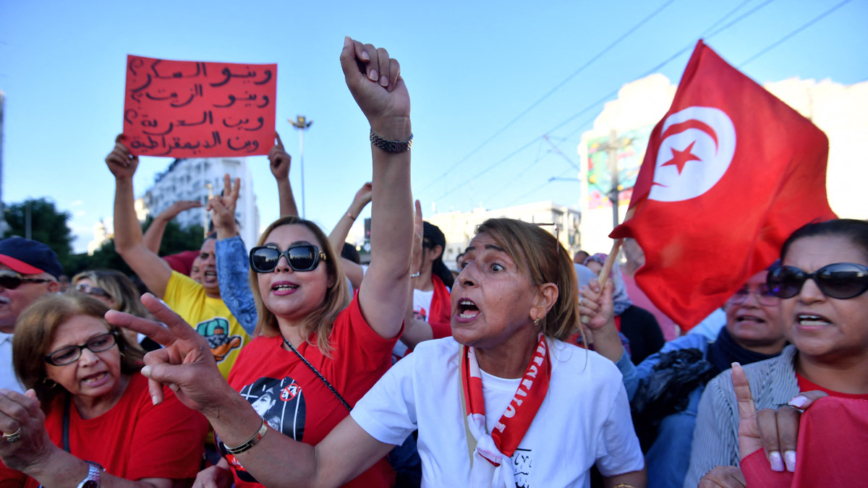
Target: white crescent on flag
696,148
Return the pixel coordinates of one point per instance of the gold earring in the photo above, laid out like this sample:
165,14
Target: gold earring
46,380
536,322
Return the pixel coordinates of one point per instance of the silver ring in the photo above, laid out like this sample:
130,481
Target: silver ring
585,319
580,300
13,437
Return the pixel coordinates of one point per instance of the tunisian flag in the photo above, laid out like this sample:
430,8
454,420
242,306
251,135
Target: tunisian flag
730,172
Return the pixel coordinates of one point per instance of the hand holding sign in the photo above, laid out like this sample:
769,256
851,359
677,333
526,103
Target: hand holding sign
197,109
120,162
374,79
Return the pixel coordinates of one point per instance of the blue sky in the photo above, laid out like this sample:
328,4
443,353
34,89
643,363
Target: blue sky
471,67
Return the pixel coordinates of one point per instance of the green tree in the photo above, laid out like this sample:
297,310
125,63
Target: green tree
47,225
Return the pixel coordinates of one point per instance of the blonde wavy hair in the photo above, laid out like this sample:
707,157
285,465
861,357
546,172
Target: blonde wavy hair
337,298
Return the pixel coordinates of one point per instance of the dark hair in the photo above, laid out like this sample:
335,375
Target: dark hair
349,252
435,236
854,230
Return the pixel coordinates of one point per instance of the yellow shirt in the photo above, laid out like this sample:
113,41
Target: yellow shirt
210,317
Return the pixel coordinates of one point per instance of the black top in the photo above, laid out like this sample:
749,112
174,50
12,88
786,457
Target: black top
642,330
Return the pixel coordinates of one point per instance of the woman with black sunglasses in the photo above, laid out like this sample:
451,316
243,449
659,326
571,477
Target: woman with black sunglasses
318,348
88,418
822,284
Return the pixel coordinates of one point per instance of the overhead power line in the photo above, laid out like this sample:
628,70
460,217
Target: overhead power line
760,53
550,92
707,33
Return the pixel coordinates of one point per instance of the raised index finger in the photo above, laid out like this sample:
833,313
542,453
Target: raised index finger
153,330
746,406
279,142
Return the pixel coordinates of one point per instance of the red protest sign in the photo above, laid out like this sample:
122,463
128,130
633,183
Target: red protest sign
184,109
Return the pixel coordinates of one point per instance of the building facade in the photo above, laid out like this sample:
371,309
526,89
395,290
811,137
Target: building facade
197,179
460,227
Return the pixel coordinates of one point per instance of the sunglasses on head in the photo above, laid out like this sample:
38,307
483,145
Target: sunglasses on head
91,290
838,280
301,257
12,280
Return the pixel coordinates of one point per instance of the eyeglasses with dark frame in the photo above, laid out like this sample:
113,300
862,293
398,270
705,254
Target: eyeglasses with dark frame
836,280
91,290
12,280
762,292
71,354
301,257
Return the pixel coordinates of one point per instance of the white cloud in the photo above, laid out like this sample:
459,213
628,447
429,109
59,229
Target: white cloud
76,203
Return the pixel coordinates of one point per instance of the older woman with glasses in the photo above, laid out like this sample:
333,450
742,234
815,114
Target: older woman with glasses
88,418
822,284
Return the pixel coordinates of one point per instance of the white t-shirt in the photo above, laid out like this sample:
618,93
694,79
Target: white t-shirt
8,379
584,419
422,304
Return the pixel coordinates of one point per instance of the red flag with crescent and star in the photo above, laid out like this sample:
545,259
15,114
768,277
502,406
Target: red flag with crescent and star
730,172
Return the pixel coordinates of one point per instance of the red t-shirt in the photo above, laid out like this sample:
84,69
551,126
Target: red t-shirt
135,439
294,401
807,385
831,450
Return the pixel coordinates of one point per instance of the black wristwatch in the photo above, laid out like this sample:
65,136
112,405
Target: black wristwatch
92,480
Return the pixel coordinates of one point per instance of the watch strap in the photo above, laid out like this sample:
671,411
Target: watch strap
391,146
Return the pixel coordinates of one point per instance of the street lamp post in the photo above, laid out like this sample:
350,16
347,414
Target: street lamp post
301,123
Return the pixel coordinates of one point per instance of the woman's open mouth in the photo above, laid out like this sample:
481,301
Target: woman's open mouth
467,310
96,379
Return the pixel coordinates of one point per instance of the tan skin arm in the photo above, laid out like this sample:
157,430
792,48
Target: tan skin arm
154,235
280,162
153,271
339,234
415,330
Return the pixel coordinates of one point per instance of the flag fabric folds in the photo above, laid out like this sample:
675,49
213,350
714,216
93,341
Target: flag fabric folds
730,172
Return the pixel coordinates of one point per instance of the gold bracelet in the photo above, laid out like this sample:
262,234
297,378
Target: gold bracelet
624,485
263,428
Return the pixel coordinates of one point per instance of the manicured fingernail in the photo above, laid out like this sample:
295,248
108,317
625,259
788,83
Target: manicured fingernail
735,364
799,401
174,387
384,81
146,371
790,459
776,461
365,56
346,41
154,399
373,75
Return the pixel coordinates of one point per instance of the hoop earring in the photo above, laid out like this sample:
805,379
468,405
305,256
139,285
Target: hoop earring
536,323
46,380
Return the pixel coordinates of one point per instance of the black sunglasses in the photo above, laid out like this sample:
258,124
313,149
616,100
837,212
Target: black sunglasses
91,290
11,280
838,280
71,354
301,257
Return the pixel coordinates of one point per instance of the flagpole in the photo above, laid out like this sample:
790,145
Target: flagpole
613,254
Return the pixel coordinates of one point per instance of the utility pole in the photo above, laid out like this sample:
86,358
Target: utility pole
301,123
611,147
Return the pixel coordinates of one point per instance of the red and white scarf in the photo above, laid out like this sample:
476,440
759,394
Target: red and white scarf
490,463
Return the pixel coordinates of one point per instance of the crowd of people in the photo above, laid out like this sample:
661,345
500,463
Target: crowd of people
293,364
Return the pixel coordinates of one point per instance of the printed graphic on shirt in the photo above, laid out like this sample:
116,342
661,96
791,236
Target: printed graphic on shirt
420,314
216,331
278,402
522,461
